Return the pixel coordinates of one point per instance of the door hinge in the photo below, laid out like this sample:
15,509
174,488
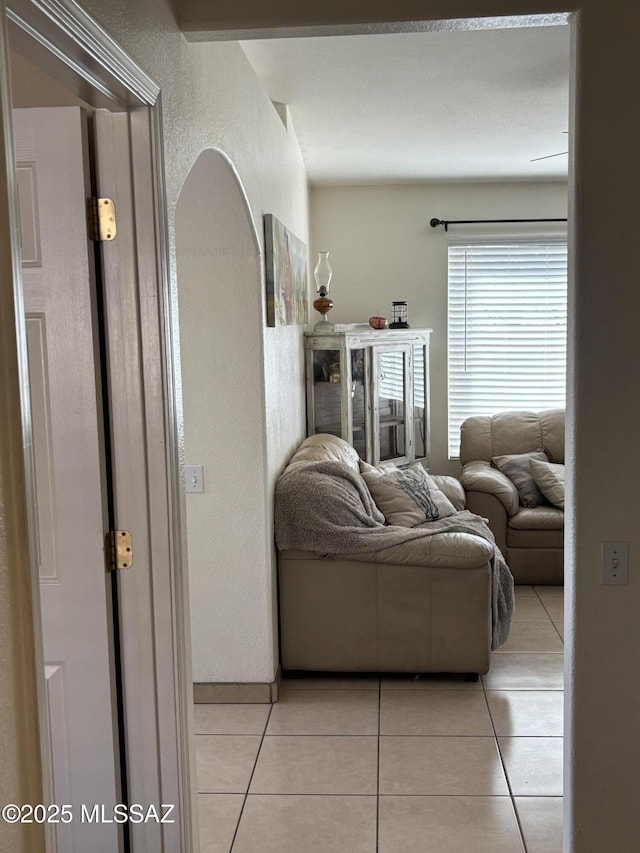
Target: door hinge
102,219
120,549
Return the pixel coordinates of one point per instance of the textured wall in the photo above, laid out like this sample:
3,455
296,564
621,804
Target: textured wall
382,248
232,402
220,314
603,633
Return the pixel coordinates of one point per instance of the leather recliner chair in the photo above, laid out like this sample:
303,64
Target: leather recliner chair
531,538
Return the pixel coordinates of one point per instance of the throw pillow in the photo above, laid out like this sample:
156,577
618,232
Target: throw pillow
406,497
549,477
517,468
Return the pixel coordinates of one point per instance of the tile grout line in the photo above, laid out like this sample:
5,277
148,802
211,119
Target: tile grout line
253,770
321,794
541,600
551,620
378,773
504,770
511,795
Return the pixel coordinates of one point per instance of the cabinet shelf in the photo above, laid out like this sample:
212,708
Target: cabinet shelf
335,428
391,421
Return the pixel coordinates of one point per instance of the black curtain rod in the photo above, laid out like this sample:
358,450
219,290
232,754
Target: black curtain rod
447,222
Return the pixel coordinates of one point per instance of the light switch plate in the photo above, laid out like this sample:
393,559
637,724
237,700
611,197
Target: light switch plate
615,563
193,478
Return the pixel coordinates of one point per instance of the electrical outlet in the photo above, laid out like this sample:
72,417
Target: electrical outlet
193,478
615,563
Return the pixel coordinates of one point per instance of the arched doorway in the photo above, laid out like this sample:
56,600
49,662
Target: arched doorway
222,363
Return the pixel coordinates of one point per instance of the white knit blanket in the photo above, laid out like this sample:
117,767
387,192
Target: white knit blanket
326,507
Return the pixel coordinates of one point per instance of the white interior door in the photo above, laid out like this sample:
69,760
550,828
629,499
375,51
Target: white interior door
60,304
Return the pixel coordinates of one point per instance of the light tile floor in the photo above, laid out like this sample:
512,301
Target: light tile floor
396,764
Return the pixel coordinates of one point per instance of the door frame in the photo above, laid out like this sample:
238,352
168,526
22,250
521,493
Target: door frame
68,44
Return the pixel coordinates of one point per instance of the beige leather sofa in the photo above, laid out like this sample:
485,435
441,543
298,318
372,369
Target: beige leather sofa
530,538
420,607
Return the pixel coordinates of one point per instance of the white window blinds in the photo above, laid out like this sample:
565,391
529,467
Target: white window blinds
507,328
392,384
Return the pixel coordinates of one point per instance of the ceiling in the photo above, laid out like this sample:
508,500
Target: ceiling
427,106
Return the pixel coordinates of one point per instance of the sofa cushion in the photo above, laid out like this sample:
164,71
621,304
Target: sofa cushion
549,477
538,518
538,527
516,467
406,497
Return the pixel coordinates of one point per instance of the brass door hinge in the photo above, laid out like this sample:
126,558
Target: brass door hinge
102,219
121,549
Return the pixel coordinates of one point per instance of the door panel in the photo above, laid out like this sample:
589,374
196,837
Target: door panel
60,303
47,550
61,836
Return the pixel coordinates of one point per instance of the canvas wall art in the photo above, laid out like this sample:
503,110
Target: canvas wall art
286,275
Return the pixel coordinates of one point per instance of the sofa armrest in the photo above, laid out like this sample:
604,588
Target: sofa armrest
442,550
490,508
452,488
481,477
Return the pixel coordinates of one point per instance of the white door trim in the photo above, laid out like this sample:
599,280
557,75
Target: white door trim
20,627
62,39
68,33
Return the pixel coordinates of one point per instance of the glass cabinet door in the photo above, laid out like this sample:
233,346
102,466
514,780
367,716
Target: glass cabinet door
358,401
421,403
338,395
393,404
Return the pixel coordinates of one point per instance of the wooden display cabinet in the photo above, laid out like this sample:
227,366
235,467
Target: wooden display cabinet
372,389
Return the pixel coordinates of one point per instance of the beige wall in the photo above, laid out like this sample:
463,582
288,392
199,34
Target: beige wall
221,307
603,632
382,248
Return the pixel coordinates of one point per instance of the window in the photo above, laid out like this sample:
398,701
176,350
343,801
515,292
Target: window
507,328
